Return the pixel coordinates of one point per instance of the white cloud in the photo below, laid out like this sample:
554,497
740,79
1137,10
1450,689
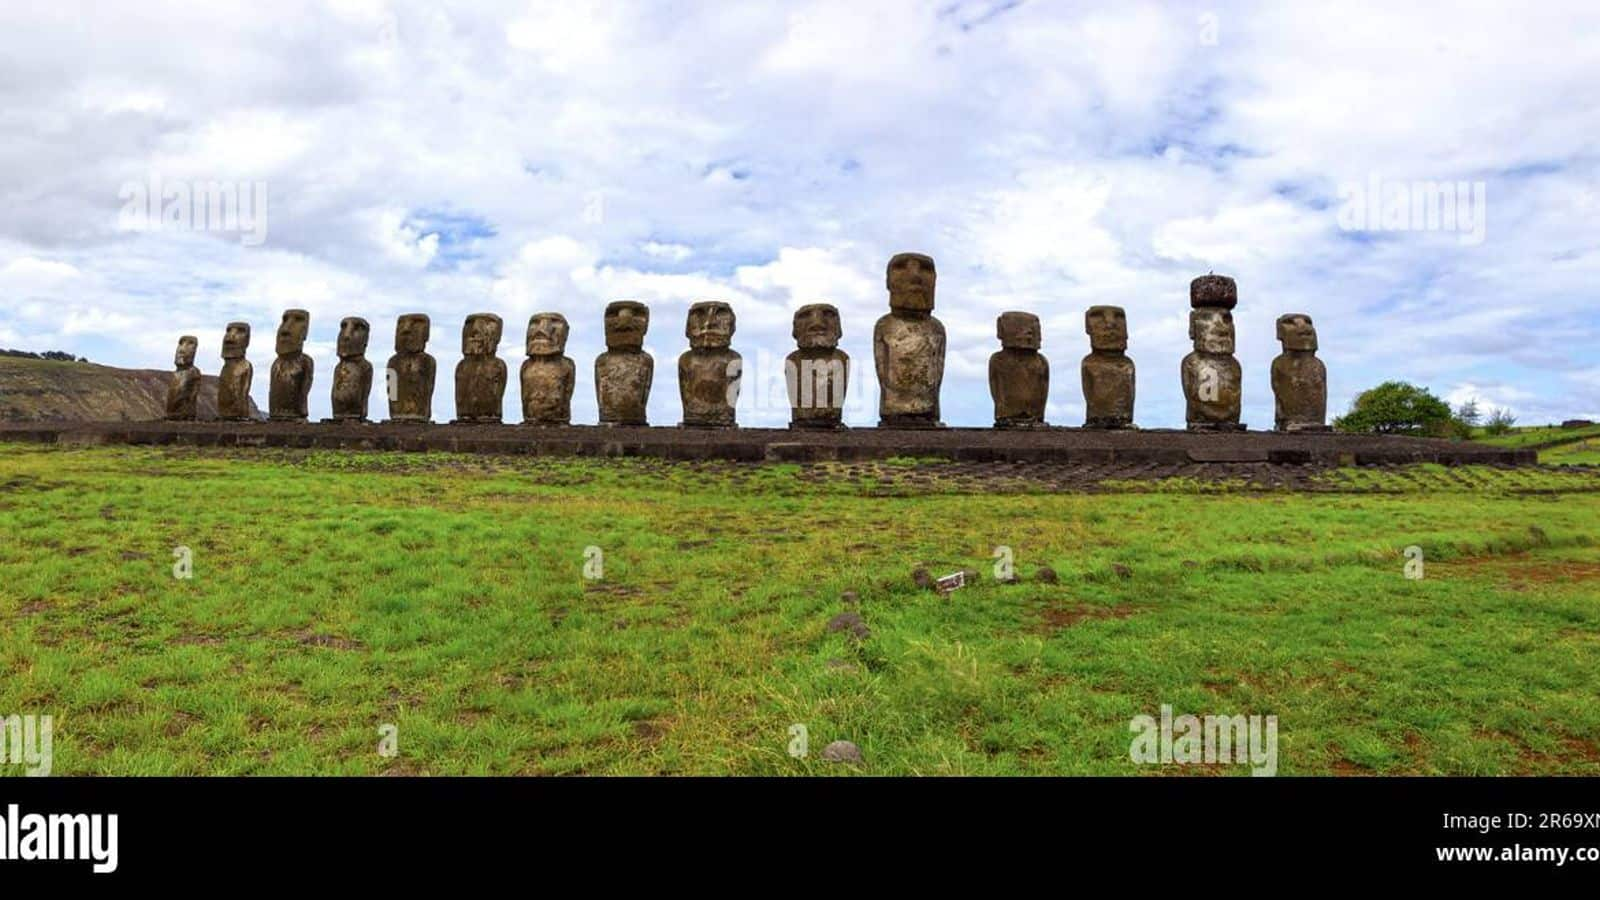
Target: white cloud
516,157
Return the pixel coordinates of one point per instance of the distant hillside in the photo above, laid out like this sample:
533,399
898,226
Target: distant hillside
35,389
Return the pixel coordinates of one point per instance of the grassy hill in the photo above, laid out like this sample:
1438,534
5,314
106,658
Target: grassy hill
35,389
1556,445
453,598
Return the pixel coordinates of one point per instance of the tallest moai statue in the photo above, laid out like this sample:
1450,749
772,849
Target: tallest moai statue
292,370
908,346
1212,379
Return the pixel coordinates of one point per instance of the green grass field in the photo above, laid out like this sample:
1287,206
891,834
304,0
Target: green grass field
336,593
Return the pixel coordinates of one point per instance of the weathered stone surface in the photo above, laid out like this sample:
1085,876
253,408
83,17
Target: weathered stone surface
352,377
908,346
547,376
290,387
1135,454
623,374
1299,379
233,383
183,396
1213,383
1213,291
842,751
480,376
1108,373
1019,375
411,371
818,373
709,371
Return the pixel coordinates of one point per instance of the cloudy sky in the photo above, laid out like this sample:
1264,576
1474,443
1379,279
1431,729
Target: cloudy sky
518,157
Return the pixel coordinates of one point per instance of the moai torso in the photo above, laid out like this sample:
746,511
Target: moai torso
480,376
1019,375
233,383
411,371
624,372
291,371
1108,373
1299,379
547,377
1213,383
708,372
908,346
183,393
352,377
818,373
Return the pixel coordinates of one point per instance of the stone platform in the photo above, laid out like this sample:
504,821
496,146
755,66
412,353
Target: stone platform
1055,445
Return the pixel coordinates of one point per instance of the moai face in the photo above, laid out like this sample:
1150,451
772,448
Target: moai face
236,340
1296,332
910,280
184,358
480,335
816,327
547,334
292,331
1018,330
1107,327
1211,330
626,323
411,333
710,325
353,334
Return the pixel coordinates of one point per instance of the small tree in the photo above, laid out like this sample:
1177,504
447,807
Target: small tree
1469,414
1500,421
1396,407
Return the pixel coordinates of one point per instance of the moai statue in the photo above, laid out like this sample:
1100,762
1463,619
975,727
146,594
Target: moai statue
708,372
908,347
233,384
819,372
352,377
1019,375
480,376
547,376
622,374
1212,380
183,394
409,379
1108,377
291,371
1299,379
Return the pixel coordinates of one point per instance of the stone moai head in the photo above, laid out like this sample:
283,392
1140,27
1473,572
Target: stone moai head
1296,332
626,323
480,334
1211,330
1107,327
547,334
411,333
353,334
1213,292
184,358
910,280
292,331
1018,330
710,325
235,340
816,327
